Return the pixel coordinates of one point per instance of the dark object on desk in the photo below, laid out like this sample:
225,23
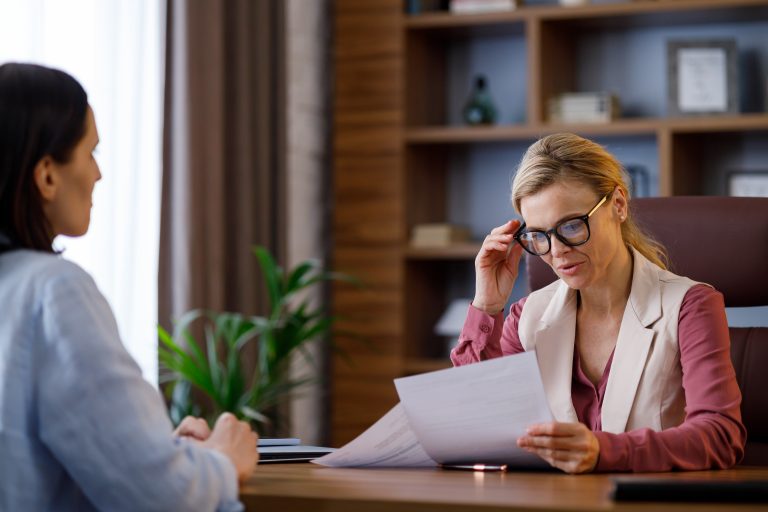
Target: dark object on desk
734,264
690,490
295,453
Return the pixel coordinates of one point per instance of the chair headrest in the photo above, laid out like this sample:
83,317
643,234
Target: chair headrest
722,241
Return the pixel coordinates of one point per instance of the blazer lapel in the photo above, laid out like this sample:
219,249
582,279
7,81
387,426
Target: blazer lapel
632,346
554,352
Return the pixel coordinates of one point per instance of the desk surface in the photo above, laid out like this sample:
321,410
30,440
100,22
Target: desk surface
308,487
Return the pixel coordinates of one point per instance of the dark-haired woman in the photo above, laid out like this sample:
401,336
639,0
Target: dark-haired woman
635,360
79,427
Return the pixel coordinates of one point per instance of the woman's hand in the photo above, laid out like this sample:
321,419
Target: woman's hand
496,267
237,441
571,447
195,428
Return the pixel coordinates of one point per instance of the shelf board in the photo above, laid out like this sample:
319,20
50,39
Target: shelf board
459,134
466,251
718,124
630,13
504,23
621,127
412,366
656,13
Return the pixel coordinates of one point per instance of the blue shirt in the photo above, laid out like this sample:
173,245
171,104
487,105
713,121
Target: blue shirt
80,429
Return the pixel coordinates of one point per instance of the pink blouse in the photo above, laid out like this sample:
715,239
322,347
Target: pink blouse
711,436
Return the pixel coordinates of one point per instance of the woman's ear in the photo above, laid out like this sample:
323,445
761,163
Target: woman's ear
46,178
620,204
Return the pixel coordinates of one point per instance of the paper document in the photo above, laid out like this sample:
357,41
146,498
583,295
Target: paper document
390,442
472,414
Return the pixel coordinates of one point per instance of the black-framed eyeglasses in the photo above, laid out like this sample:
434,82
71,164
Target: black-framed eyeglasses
572,232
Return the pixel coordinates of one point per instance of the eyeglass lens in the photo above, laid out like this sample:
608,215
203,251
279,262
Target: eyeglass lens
571,232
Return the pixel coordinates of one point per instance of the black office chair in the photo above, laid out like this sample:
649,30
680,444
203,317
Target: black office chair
722,241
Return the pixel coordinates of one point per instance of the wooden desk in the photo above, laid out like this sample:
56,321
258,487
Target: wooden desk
311,488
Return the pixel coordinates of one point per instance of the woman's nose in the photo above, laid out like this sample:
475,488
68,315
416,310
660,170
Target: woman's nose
557,247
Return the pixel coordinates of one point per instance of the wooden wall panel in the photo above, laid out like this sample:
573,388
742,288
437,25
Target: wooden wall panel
367,211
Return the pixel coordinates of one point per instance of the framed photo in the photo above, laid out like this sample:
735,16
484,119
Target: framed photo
702,77
748,184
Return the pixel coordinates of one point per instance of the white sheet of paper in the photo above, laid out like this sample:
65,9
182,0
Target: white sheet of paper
475,413
390,442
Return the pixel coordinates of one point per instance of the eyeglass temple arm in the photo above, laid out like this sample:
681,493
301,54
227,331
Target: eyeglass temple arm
604,199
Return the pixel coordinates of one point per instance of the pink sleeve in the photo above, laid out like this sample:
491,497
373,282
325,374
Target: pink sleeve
487,336
712,435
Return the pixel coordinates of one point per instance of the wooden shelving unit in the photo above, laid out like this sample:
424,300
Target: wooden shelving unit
454,252
647,126
395,142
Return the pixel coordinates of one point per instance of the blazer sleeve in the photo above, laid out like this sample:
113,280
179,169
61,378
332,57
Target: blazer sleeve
712,434
107,426
487,336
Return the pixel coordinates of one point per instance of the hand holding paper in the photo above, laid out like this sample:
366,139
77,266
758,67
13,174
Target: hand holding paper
465,415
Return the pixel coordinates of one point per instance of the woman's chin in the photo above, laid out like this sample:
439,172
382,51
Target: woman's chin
574,282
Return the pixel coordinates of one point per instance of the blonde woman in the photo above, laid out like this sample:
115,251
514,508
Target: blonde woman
635,360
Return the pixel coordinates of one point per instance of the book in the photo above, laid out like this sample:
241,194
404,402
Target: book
279,441
291,453
468,416
594,107
438,235
478,6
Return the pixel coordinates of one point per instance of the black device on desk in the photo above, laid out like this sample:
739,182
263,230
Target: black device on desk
272,450
690,490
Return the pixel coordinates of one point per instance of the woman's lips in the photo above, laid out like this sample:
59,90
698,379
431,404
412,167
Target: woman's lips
568,269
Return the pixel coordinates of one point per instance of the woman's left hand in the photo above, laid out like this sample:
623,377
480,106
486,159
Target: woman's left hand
194,428
571,447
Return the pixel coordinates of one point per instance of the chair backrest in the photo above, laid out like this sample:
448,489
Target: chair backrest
722,241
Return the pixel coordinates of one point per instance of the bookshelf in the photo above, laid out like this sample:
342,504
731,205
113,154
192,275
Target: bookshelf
402,157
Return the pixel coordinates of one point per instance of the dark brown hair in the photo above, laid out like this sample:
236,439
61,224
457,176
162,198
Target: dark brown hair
42,113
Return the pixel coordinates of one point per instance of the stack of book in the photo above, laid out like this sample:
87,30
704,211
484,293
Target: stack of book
584,107
438,235
477,6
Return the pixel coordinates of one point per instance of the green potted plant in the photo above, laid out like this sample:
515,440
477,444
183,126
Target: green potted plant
213,369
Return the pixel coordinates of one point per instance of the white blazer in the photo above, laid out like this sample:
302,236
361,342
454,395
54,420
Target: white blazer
645,386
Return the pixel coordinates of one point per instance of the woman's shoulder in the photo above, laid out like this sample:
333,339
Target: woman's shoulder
37,268
702,295
692,291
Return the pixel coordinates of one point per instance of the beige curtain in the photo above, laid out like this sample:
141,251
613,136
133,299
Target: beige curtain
224,138
308,161
245,159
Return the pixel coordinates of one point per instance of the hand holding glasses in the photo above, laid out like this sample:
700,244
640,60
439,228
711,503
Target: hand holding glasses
496,265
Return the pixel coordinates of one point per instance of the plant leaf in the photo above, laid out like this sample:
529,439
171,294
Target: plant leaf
272,275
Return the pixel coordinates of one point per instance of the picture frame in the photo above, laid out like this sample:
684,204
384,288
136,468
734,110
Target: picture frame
702,77
748,184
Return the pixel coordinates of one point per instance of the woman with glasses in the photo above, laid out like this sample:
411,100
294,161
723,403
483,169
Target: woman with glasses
635,359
